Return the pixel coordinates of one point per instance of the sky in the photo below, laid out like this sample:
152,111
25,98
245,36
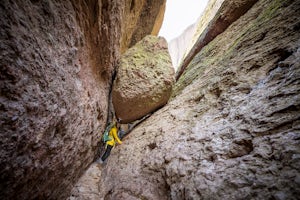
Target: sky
179,15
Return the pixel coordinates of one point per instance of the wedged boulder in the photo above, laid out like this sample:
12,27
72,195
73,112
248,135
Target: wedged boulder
144,79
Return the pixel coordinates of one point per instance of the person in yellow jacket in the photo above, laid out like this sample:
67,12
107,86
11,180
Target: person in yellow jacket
113,138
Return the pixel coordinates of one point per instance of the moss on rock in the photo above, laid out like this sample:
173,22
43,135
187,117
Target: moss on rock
144,79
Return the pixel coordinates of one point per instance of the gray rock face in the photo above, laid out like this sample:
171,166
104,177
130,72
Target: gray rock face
144,79
229,12
180,46
56,59
231,130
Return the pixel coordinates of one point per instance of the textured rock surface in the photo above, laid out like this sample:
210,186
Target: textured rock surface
144,79
140,18
232,128
56,64
229,12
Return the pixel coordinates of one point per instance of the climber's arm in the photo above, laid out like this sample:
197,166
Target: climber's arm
115,134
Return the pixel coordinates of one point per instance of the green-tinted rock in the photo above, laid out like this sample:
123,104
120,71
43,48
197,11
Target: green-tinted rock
144,79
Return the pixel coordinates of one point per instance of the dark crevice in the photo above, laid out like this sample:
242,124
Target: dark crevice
108,195
279,128
95,12
297,27
110,113
152,146
261,37
132,4
217,92
282,53
241,148
254,67
286,110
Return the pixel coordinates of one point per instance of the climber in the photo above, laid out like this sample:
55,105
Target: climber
110,142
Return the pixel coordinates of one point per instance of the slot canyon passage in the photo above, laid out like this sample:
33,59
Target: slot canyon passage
230,129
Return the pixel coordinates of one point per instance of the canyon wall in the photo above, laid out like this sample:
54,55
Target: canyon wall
232,127
140,18
180,46
57,60
219,18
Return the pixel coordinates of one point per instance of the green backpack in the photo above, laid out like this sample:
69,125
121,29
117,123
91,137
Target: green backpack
105,136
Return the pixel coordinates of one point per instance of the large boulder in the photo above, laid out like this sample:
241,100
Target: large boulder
144,79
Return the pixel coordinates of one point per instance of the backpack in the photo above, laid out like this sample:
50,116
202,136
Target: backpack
105,136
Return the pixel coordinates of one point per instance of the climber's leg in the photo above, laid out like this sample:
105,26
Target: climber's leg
107,152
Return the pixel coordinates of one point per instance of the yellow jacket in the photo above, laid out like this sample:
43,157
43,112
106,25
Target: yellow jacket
113,135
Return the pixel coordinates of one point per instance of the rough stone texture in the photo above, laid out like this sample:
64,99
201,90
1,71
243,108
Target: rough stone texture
229,12
88,187
144,79
180,46
57,60
147,14
232,128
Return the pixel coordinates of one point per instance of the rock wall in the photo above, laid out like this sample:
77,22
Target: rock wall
140,18
231,130
228,12
179,47
57,60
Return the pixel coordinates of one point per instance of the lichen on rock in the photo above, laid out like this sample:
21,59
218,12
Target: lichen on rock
144,79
